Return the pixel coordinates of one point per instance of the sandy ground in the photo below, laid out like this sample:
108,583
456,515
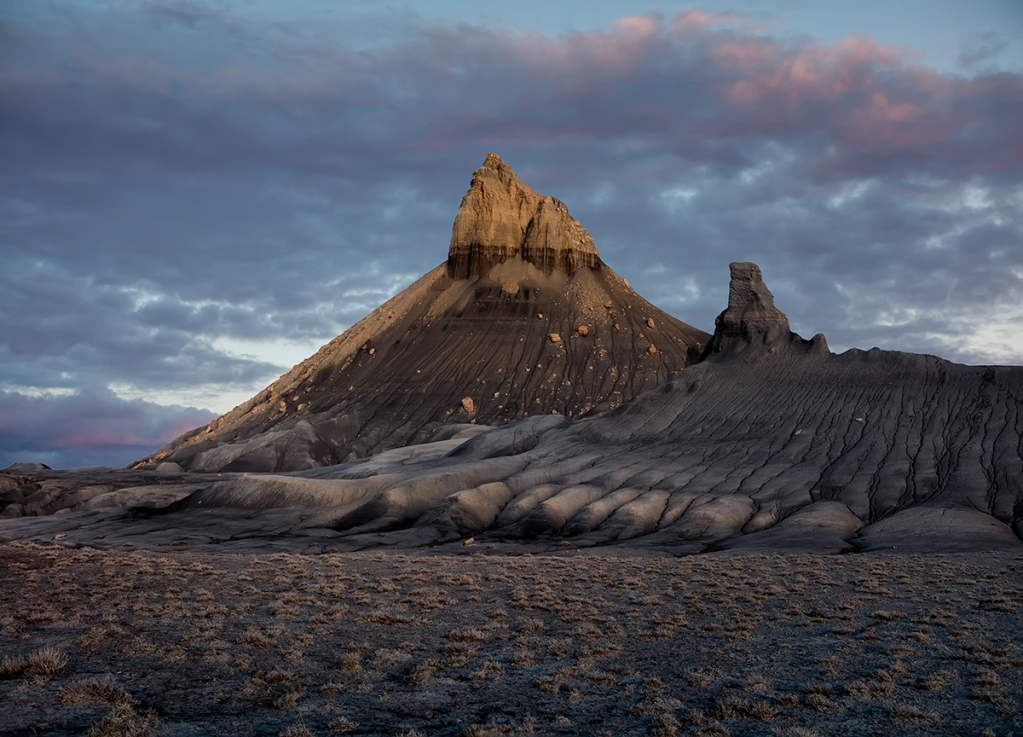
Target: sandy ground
180,643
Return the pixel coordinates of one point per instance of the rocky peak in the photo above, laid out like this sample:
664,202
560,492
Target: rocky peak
752,320
501,218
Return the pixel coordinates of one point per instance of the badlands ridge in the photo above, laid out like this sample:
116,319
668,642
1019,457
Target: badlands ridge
522,395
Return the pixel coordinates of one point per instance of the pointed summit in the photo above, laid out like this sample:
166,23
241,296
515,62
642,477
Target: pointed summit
501,218
522,320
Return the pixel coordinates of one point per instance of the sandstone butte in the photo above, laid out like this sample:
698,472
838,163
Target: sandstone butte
470,343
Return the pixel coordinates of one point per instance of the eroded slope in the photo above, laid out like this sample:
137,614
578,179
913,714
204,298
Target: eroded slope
771,442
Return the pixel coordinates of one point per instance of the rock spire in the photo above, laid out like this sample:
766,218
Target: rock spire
752,320
501,218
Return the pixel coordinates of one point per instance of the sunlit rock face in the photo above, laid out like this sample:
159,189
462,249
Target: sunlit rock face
522,320
501,218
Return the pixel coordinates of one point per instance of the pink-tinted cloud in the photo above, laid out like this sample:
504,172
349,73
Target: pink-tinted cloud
644,77
696,22
91,427
459,85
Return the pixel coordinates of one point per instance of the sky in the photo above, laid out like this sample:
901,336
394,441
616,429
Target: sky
195,195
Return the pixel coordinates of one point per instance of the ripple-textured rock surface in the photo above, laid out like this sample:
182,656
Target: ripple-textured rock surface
771,442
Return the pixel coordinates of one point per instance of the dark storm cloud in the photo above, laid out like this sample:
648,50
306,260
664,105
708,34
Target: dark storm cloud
90,427
177,175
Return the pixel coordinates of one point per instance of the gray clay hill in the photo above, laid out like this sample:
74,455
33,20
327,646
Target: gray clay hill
764,442
523,319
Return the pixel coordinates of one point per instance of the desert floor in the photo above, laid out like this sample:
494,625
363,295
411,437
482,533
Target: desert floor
391,643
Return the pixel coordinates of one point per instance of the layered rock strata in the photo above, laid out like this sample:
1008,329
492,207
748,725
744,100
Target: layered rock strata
751,321
501,218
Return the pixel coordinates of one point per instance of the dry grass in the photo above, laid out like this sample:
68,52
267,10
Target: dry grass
95,690
125,720
136,643
45,663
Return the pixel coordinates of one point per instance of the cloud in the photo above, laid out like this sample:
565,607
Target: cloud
181,178
90,427
978,49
